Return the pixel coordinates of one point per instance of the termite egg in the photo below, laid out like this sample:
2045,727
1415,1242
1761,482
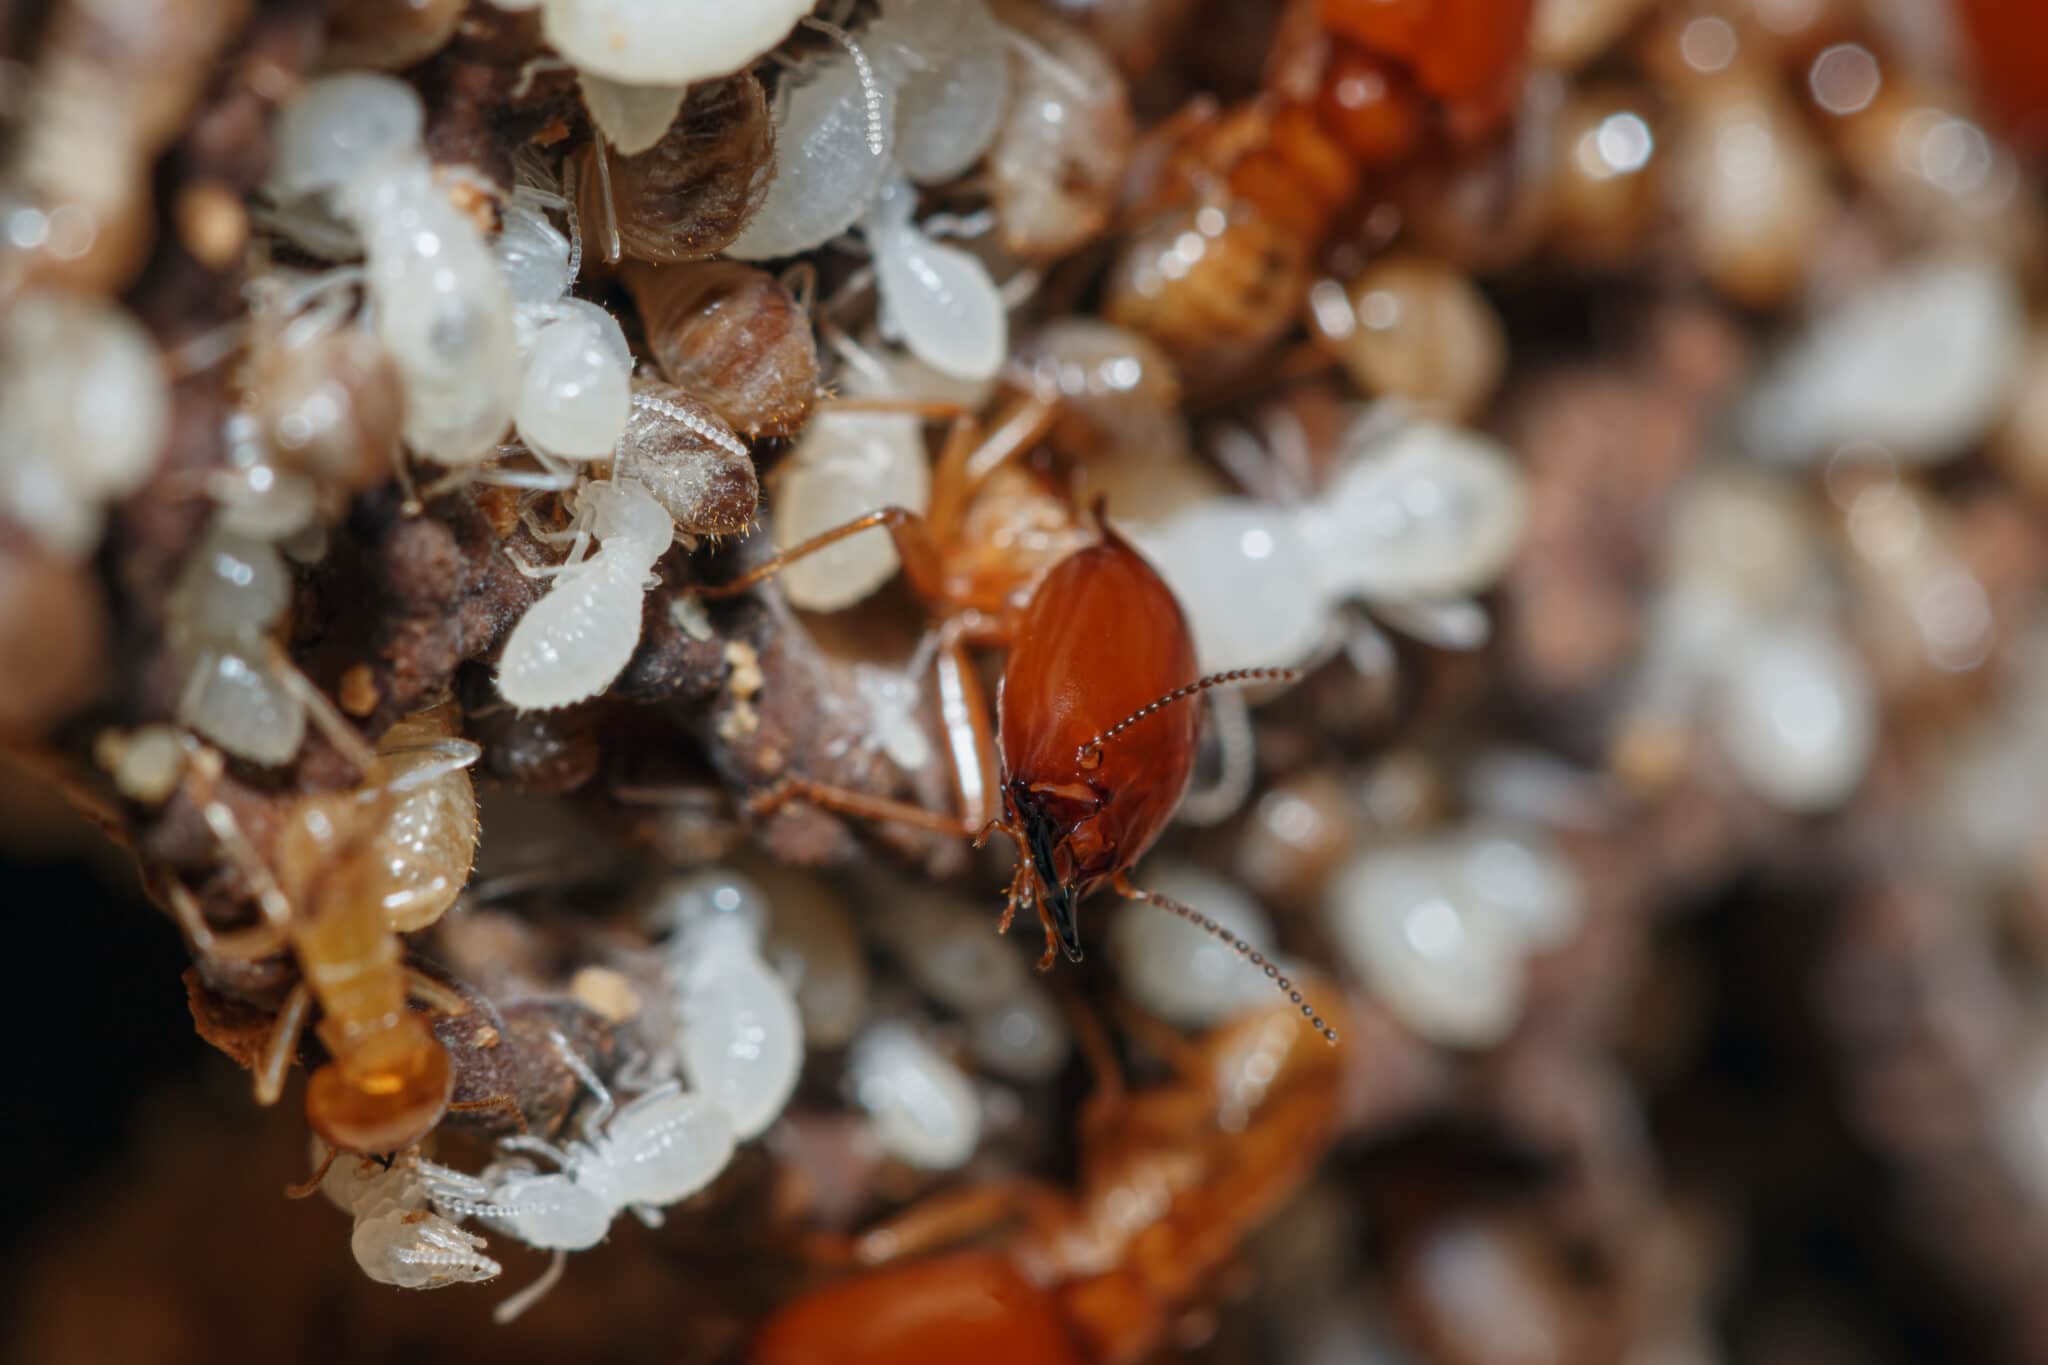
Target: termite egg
1065,139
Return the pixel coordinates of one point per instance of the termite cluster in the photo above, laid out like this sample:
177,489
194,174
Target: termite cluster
1466,573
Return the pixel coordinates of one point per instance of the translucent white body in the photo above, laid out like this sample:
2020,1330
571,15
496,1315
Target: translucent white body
441,304
397,1239
1440,926
1742,642
576,639
951,68
442,309
1173,969
666,42
534,257
1448,969
429,838
416,1249
1797,715
937,298
658,1150
833,148
549,1210
1025,1038
1417,520
1246,579
845,464
1922,364
921,1107
84,409
631,117
812,944
577,386
740,1038
230,593
255,496
1064,141
1014,1027
328,132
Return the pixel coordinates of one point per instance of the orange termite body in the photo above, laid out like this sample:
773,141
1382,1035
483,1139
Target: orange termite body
1172,1179
1228,230
974,1306
1101,637
1464,54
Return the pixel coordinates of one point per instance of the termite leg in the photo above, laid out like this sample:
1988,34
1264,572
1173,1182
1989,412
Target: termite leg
860,804
526,1298
932,410
955,1216
968,458
528,569
326,719
582,1071
283,1045
526,1142
963,716
1020,891
436,995
312,1182
914,546
1052,935
240,945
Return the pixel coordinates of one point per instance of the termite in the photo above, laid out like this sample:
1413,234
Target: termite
344,866
1096,740
1172,1179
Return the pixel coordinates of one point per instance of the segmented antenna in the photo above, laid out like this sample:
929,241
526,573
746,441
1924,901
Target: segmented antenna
1090,754
693,424
1236,944
870,88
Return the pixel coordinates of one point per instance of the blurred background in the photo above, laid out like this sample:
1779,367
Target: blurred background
1676,875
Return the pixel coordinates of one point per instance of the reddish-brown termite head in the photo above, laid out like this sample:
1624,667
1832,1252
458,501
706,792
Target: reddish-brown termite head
1101,639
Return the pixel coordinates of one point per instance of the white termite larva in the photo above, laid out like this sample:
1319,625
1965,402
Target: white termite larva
397,1239
938,298
574,641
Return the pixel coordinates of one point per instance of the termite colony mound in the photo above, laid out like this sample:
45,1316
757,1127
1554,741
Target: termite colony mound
1468,573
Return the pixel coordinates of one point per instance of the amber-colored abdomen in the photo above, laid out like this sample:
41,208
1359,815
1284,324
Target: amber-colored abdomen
1466,54
386,1107
972,1309
1102,637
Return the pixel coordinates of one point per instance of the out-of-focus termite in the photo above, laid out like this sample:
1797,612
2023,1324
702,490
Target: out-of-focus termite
1172,1180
